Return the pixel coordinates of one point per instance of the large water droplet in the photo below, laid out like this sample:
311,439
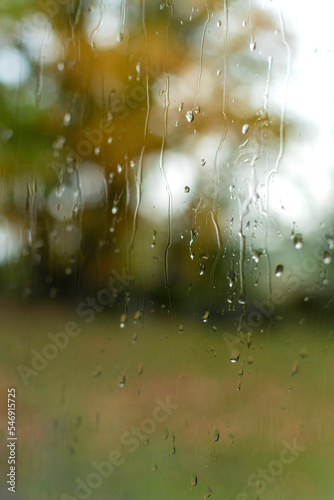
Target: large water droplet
279,270
245,128
298,241
330,241
235,355
190,116
256,255
327,259
206,316
252,46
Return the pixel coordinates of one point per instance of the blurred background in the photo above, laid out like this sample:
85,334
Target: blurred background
166,184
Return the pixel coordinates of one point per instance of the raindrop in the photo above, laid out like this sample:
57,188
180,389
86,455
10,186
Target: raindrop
181,107
294,369
216,436
245,128
154,238
242,300
279,271
298,241
234,356
67,119
252,46
256,256
181,328
303,353
330,241
326,259
119,169
219,23
206,316
137,316
197,109
208,493
186,189
190,116
244,24
203,162
123,320
61,66
121,381
193,480
231,278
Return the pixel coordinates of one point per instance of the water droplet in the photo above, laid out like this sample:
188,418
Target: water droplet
190,116
61,66
256,255
193,480
181,328
234,356
330,241
121,381
137,316
208,493
154,238
123,320
186,189
67,119
252,46
327,259
203,162
298,241
197,109
303,353
219,23
244,24
119,169
279,270
219,71
180,107
294,369
231,278
242,300
206,316
245,128
216,436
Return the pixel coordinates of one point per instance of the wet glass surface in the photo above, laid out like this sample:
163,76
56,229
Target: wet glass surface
166,241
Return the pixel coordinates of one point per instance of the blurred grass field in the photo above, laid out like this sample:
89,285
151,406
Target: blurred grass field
107,379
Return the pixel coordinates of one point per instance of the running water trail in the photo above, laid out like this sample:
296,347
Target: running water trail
214,212
275,169
199,78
